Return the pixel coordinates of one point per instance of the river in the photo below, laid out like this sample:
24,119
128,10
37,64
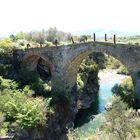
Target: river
89,119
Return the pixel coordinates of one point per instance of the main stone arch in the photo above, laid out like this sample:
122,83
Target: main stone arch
64,60
75,62
126,55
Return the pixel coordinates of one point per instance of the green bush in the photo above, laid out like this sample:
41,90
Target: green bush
137,43
25,112
5,69
3,125
112,63
6,84
122,70
32,79
21,110
27,77
121,122
125,90
47,44
61,99
6,44
87,75
80,84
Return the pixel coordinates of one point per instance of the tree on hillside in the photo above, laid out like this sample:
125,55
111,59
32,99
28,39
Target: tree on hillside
63,36
20,35
29,36
83,38
40,38
12,37
51,34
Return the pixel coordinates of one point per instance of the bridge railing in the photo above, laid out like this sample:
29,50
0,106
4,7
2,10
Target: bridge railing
88,39
94,38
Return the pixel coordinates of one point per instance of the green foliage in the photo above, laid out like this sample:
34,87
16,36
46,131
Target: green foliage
5,69
20,35
137,43
52,34
6,44
6,84
19,108
80,83
61,99
3,125
28,91
12,37
100,59
39,37
25,112
131,40
33,80
125,90
122,70
87,74
83,38
121,122
112,63
27,77
47,44
44,37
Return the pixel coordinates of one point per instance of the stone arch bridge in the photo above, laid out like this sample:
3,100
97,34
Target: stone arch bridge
64,61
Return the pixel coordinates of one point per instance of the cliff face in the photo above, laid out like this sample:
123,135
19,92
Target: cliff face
88,96
87,83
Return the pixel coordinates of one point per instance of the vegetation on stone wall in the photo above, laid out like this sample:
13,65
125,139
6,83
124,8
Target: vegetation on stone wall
87,83
88,71
40,87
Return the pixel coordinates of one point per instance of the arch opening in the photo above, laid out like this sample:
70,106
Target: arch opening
87,79
73,67
42,69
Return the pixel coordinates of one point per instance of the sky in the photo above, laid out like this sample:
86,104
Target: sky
69,15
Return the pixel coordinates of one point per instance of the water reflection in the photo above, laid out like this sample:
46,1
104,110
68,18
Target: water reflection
86,115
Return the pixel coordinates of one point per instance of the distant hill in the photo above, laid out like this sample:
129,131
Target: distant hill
99,33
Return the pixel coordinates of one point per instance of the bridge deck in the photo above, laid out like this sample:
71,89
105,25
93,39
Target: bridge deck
77,44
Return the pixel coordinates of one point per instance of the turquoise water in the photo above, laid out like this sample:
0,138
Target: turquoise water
90,119
105,93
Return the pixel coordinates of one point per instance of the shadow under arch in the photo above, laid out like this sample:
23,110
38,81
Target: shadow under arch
30,61
40,65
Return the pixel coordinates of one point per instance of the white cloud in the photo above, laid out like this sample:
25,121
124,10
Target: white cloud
69,15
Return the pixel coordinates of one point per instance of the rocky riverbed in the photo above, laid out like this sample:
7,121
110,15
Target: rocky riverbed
110,75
